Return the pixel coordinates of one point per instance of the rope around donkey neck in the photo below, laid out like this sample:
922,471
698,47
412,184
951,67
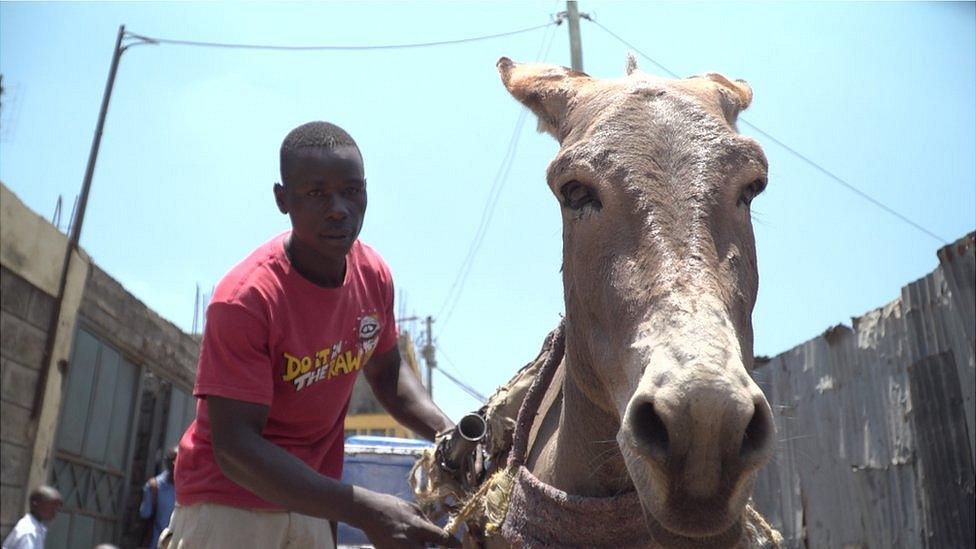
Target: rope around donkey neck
526,415
492,496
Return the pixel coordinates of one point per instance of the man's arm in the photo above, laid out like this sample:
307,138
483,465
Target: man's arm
146,507
403,396
27,541
278,477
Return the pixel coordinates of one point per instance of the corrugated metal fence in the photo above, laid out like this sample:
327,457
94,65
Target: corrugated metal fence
875,423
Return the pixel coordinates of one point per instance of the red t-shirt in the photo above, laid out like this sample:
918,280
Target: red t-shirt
275,338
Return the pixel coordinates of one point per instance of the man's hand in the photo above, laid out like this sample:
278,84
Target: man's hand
279,477
397,523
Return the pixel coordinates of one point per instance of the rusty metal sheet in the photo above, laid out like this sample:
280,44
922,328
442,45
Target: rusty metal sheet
859,462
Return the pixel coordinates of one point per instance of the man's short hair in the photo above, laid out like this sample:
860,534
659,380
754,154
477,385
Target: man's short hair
314,134
44,493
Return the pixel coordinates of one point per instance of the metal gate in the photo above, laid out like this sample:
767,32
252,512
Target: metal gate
94,444
182,410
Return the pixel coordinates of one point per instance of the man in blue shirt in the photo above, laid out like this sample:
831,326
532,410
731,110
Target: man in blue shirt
159,497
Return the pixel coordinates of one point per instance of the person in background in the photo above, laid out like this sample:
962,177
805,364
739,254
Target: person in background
159,497
30,531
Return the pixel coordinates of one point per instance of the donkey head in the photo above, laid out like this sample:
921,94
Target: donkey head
660,279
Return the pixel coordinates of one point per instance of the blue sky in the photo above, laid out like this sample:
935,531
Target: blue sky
881,94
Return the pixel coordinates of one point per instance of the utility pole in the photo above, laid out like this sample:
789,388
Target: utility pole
78,216
575,42
429,357
75,235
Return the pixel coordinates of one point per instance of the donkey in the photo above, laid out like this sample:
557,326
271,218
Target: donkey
660,280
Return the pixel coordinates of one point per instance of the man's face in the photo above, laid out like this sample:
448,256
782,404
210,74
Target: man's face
47,509
324,194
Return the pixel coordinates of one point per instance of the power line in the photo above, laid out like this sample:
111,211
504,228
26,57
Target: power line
847,185
454,367
454,294
461,384
794,152
457,287
271,47
631,46
470,391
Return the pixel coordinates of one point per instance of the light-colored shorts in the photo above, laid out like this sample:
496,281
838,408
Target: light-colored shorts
206,525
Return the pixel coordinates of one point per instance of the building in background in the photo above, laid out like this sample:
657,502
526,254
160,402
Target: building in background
366,416
116,394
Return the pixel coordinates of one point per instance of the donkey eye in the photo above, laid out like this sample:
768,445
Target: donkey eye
751,191
577,196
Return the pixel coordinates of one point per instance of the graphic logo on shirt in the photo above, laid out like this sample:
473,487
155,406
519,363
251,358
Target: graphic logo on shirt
331,361
369,333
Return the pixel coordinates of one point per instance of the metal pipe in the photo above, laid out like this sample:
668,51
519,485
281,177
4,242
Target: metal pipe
462,441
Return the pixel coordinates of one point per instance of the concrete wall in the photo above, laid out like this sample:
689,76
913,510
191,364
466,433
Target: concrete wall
31,257
875,422
31,261
25,313
118,317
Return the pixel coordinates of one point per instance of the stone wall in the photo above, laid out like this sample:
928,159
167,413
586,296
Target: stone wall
119,318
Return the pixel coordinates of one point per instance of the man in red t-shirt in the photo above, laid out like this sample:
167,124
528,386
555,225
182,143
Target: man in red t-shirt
288,330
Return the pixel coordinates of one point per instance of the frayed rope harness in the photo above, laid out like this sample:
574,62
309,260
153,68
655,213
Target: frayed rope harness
539,515
529,513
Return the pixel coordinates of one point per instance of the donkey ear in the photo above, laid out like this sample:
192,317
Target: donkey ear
631,63
736,95
546,89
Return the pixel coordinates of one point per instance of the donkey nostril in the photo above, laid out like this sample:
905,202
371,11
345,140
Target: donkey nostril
757,434
650,432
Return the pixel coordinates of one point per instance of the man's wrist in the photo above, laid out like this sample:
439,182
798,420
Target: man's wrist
362,514
446,424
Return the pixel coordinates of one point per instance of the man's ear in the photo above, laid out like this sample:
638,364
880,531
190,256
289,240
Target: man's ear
548,90
279,194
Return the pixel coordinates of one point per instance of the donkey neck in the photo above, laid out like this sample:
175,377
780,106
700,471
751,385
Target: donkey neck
586,460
